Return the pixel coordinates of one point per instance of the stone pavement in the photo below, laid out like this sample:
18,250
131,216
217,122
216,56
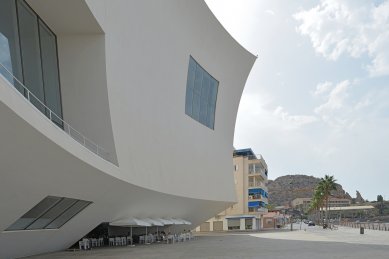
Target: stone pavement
343,235
313,243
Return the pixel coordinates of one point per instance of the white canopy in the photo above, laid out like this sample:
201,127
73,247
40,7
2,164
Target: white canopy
130,222
153,222
180,222
186,222
166,221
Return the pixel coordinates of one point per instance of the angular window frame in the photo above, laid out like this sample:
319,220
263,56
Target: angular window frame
46,207
201,94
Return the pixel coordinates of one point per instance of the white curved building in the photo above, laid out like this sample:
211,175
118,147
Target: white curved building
156,84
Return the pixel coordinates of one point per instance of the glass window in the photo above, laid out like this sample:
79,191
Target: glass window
50,71
251,168
34,213
51,212
233,224
201,94
9,43
31,56
190,86
28,52
68,214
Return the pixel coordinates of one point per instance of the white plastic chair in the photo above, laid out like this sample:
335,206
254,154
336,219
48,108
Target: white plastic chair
101,241
94,242
84,244
141,239
111,241
123,241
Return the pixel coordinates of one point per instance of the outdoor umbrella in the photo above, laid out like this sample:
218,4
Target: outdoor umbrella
131,222
153,222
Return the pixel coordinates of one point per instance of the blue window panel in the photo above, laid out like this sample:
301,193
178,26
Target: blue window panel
201,94
196,106
253,204
254,191
190,86
198,81
212,102
204,99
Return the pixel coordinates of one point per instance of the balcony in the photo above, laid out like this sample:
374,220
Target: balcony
258,210
257,198
255,170
57,120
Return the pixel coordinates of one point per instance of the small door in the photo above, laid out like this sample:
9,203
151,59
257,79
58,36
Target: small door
218,226
204,227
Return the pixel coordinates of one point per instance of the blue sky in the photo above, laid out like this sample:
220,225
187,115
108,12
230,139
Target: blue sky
317,99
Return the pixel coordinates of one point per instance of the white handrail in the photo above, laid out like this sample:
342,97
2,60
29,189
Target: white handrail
78,136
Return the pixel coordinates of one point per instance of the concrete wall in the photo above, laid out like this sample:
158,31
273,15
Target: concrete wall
147,63
84,88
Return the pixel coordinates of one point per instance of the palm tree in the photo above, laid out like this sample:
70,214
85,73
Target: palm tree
380,201
317,202
326,185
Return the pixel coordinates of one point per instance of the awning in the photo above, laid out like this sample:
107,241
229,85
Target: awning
253,204
176,222
240,217
154,222
186,222
130,222
165,221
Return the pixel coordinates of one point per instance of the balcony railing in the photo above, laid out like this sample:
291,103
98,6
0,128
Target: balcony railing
257,184
258,209
55,119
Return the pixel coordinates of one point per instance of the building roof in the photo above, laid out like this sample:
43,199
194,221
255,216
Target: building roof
367,207
247,152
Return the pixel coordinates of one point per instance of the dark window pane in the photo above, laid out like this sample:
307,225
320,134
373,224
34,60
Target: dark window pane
9,43
68,214
204,99
212,103
32,66
197,93
201,93
52,214
34,213
50,71
190,86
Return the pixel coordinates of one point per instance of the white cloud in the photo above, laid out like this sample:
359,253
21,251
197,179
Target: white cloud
338,111
271,12
349,27
294,121
335,99
322,88
257,110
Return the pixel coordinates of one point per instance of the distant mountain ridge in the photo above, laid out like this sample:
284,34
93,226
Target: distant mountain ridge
286,188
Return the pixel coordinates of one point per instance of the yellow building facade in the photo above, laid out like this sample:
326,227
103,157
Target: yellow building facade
250,177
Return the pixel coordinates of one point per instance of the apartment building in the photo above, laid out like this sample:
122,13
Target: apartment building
304,203
250,177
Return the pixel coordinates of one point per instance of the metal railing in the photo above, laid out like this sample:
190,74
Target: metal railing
367,225
57,120
257,184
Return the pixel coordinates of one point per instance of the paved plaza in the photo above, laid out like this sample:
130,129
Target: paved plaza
305,244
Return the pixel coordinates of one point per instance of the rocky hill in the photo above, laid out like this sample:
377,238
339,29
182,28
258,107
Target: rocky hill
286,188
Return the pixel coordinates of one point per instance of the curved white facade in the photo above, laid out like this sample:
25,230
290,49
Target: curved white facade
123,71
